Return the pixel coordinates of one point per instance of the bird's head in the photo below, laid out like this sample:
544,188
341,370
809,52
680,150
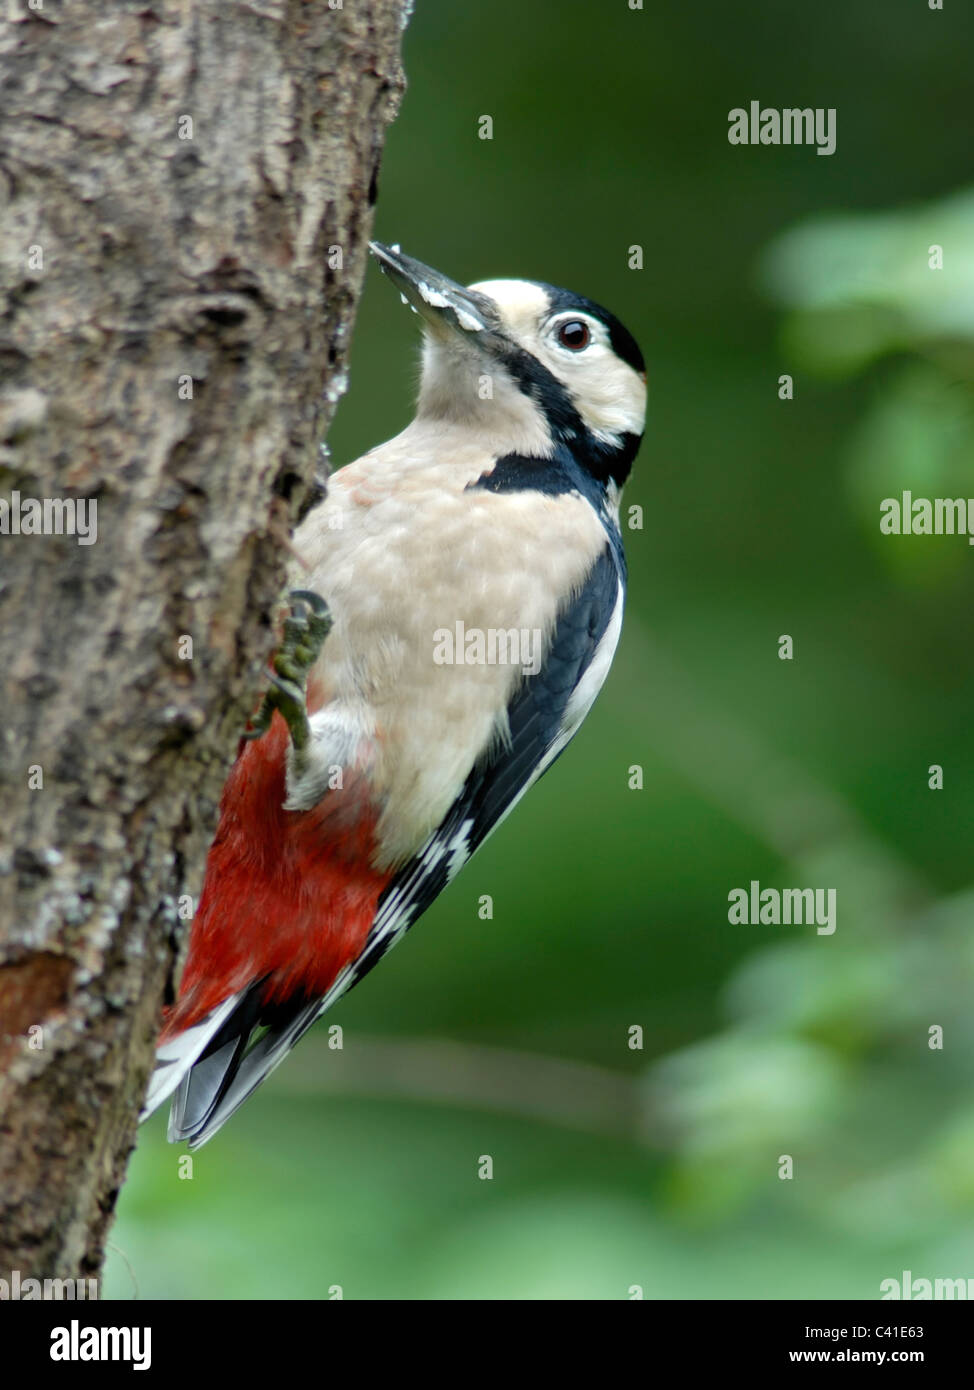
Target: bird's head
532,367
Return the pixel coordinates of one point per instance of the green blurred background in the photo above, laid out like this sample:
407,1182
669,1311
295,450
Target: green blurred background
615,1166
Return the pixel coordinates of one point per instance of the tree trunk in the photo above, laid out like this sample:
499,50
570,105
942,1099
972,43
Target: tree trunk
186,191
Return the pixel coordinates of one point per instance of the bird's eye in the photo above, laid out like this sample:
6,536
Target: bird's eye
574,335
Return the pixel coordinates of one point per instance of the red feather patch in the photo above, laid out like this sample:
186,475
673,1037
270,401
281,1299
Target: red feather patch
287,894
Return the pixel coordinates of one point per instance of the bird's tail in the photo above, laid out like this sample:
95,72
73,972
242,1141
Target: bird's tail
211,1068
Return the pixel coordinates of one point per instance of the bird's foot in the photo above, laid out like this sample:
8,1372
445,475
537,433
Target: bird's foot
304,633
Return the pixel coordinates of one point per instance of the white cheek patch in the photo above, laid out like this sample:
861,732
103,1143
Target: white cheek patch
608,394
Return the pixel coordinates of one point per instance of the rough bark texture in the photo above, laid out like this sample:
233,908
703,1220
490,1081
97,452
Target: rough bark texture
172,178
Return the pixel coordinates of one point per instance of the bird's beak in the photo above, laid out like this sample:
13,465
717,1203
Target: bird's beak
441,303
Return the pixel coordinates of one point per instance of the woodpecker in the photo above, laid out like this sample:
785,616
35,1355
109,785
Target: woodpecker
395,737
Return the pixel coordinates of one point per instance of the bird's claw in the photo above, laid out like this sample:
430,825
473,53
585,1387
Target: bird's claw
303,635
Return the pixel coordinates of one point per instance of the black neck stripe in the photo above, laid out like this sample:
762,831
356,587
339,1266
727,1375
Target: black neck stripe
606,462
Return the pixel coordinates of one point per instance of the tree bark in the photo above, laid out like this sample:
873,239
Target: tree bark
186,191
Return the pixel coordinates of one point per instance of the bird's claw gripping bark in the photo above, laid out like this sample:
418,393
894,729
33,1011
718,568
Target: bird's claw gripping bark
303,635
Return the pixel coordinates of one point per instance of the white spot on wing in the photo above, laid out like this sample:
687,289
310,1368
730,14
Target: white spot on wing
459,850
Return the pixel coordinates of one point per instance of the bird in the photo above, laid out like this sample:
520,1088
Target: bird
462,603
